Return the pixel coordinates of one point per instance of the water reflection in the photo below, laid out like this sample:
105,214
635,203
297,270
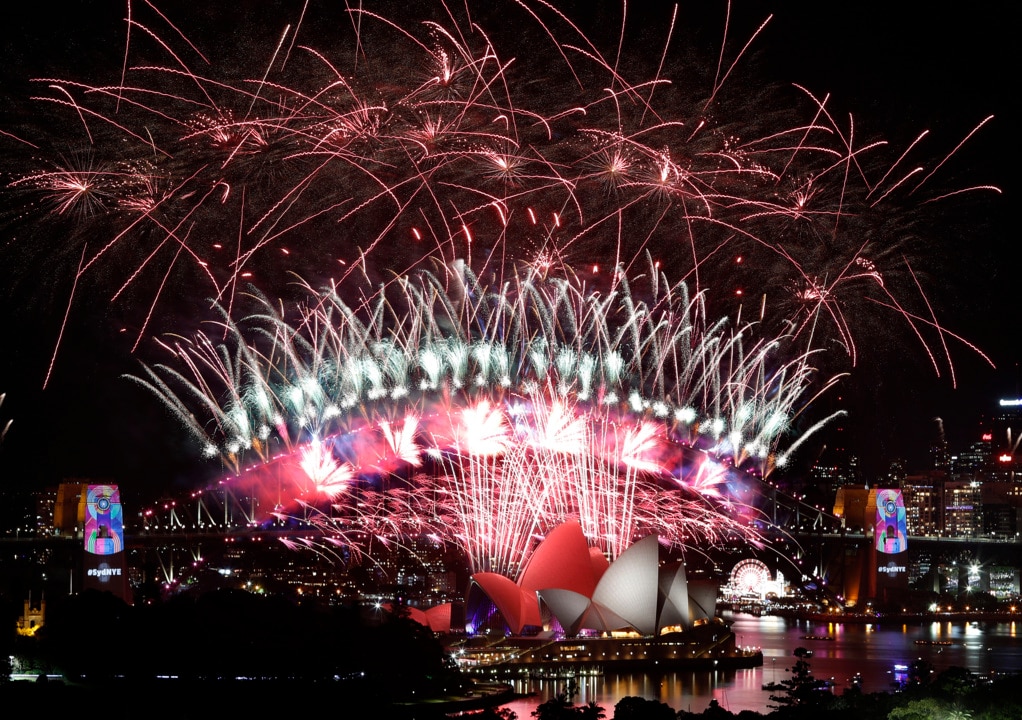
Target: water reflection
839,653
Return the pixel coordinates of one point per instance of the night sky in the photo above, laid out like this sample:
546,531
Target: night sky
898,71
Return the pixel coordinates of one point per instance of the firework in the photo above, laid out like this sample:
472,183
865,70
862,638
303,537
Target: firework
7,425
438,135
488,401
531,403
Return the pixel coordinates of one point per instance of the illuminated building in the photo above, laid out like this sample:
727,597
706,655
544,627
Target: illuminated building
975,460
568,587
1005,438
923,503
939,453
963,508
28,514
32,618
1004,581
896,474
571,607
1001,581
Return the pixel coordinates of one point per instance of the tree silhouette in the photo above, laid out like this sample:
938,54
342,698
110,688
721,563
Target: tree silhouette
801,689
637,708
562,707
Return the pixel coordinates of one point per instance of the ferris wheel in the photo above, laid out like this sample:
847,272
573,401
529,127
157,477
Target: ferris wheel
750,577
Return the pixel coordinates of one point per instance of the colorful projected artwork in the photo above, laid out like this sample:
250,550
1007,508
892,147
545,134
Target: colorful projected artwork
891,529
104,526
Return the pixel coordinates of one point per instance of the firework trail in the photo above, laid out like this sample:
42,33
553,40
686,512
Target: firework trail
7,425
496,412
548,162
507,137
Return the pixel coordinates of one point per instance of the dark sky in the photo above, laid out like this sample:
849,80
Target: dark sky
905,67
897,67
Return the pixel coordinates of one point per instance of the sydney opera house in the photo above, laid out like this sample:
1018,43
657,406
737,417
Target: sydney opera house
570,605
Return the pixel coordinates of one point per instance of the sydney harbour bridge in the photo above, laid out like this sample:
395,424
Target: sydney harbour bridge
807,543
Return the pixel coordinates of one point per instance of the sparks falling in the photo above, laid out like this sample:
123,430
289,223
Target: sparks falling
433,134
530,403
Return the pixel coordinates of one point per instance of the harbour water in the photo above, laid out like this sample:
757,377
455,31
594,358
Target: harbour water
873,650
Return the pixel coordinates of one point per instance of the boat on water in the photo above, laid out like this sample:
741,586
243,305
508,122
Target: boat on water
817,637
773,686
934,642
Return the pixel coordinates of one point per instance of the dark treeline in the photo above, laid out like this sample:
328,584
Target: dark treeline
236,644
231,651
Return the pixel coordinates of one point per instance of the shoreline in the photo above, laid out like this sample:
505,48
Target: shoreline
585,667
899,618
706,647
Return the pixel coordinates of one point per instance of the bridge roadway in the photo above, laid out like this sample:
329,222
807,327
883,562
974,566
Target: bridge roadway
800,554
807,535
825,551
928,542
987,548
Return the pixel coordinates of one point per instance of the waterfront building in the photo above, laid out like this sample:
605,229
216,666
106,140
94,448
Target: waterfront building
1004,581
710,645
568,588
919,569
